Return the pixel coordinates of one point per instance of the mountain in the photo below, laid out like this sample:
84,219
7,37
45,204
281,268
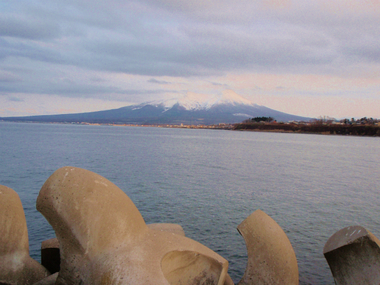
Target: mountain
191,109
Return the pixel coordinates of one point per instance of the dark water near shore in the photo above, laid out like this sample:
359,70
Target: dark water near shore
209,181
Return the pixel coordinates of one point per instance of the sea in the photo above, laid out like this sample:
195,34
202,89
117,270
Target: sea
208,181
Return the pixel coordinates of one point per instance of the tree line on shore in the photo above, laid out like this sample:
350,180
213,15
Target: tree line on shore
323,125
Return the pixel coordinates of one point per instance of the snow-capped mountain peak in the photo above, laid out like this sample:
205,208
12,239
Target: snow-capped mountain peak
230,97
194,101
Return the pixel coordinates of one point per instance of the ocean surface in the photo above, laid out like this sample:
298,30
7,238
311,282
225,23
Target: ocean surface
209,181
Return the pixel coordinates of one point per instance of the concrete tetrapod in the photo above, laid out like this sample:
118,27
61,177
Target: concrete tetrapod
103,238
16,266
353,254
166,227
271,258
50,256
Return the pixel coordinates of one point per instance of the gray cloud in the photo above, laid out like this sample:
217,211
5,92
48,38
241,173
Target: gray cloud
15,99
75,88
176,38
13,25
153,80
8,77
220,84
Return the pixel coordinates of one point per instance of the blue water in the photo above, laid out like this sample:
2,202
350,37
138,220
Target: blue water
209,181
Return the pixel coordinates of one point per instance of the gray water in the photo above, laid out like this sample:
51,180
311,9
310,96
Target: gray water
209,181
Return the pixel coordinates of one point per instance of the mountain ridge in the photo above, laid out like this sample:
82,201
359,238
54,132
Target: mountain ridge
193,108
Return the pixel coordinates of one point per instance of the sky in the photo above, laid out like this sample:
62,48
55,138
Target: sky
309,58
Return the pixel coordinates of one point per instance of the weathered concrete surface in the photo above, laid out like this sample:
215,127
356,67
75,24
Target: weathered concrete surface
50,253
228,280
16,266
104,239
353,254
271,258
50,256
50,280
167,227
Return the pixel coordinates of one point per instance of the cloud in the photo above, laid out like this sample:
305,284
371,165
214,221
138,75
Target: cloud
8,77
88,48
14,25
153,80
15,99
191,38
220,84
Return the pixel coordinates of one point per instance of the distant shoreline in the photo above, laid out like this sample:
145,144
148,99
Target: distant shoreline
177,126
299,128
312,128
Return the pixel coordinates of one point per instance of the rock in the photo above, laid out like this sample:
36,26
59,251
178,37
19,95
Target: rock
16,266
271,258
353,254
50,256
104,239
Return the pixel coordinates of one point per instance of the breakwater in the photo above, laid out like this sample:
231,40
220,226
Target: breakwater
103,239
